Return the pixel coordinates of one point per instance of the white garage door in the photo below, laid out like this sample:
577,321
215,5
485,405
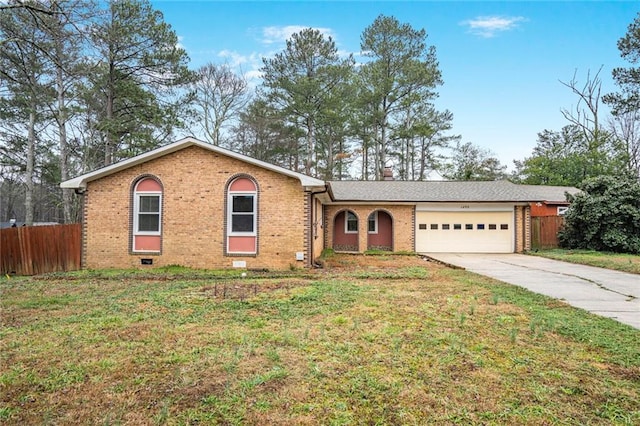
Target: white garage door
464,232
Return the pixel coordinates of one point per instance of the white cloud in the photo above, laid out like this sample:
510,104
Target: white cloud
247,65
271,35
250,64
253,75
179,44
234,59
489,26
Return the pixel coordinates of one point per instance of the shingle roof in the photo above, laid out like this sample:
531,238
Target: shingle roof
444,191
550,194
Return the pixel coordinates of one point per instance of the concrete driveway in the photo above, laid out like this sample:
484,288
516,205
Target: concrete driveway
603,292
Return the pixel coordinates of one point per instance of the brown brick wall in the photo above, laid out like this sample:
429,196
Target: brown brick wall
193,219
403,224
523,228
527,228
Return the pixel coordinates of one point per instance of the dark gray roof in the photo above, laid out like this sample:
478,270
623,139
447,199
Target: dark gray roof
552,194
444,191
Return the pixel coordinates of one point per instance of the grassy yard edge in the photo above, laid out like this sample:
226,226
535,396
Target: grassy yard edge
615,261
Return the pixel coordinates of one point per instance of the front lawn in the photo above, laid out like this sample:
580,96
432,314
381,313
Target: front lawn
616,261
368,340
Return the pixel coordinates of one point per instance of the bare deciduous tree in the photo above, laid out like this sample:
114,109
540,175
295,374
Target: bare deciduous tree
220,96
625,128
471,162
585,114
602,149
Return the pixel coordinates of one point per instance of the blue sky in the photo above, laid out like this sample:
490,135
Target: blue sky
501,62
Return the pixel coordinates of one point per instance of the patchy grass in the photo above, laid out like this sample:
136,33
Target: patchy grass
616,261
368,340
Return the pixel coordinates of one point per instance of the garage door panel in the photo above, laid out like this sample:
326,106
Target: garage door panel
464,232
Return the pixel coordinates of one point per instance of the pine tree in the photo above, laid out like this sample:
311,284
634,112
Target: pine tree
140,65
403,70
301,81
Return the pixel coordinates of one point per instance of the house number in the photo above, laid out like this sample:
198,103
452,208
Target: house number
464,207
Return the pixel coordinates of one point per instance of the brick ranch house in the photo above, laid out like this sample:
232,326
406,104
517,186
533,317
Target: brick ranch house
194,204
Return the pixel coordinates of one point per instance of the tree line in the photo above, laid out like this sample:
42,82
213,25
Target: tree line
86,84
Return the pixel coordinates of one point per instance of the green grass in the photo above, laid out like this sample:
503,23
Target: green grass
412,343
616,261
388,253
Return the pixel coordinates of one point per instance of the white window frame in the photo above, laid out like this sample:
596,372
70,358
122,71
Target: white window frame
136,212
373,217
346,222
562,210
230,213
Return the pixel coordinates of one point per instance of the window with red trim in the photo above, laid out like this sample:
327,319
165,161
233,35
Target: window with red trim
147,216
242,216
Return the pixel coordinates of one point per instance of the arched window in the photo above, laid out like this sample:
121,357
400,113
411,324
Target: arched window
372,223
147,216
242,216
351,223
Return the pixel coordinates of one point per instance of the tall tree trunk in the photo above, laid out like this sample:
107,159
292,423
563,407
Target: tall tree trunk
31,149
409,160
111,90
365,156
330,157
216,133
109,133
310,147
382,153
67,199
423,159
341,159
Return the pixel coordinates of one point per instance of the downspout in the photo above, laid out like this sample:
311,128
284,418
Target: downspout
312,219
81,192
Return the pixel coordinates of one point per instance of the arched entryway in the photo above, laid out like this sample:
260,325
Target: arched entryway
345,231
380,231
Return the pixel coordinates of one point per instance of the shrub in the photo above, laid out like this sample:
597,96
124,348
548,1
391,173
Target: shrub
605,216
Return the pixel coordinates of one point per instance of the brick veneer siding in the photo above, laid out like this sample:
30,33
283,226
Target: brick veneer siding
527,228
523,228
402,217
193,215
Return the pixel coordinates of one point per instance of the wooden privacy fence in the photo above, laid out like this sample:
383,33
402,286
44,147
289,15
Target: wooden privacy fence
31,250
544,231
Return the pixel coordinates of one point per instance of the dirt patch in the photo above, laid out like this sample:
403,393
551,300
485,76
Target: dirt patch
343,261
238,290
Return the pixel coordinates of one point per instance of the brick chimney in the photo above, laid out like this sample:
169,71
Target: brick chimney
387,174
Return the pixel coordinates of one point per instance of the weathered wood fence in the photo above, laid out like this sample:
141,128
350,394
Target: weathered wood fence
544,231
31,250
